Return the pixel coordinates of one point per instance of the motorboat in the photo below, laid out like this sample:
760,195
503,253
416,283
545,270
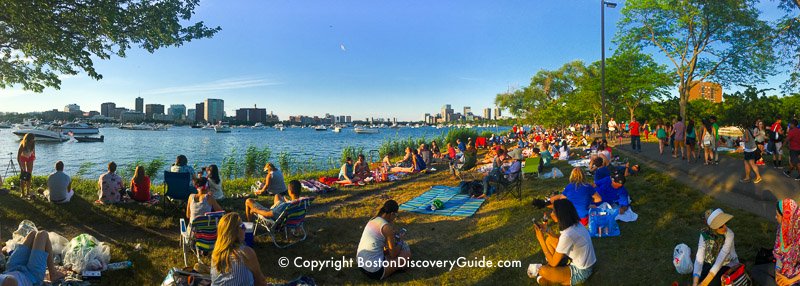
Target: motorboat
78,128
222,129
43,135
87,139
321,128
258,125
337,129
5,125
360,130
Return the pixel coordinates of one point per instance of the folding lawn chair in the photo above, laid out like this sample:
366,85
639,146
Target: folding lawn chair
531,166
291,219
470,174
176,187
513,187
202,236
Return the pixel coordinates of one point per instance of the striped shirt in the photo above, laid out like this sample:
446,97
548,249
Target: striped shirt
239,275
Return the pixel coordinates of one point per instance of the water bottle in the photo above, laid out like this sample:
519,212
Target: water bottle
120,265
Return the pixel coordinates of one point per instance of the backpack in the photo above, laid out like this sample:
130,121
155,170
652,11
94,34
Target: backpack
707,139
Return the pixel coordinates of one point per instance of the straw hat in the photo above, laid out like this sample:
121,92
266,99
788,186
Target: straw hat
715,219
516,154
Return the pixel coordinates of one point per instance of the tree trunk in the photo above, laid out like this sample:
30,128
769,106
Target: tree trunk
684,100
631,109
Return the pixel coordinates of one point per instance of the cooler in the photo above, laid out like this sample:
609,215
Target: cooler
249,227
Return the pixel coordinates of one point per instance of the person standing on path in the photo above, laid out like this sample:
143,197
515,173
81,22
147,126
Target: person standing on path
707,141
776,142
661,134
793,138
760,134
691,142
679,130
636,143
612,128
716,138
750,156
646,129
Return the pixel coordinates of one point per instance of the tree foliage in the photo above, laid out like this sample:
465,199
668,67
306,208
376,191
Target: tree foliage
41,39
634,78
720,40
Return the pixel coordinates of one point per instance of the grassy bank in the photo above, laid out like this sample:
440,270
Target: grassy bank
669,213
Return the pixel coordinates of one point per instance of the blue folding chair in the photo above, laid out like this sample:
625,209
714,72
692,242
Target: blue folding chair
176,187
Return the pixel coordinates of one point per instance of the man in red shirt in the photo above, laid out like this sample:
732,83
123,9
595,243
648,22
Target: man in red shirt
636,143
776,143
793,138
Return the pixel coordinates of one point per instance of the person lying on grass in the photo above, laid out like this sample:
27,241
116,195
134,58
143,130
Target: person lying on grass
279,203
628,169
381,249
581,194
787,243
232,262
612,191
29,261
202,202
716,251
574,243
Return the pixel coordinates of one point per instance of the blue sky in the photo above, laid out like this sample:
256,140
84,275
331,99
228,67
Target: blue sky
361,58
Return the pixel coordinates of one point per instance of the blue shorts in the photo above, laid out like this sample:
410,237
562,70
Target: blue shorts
577,275
30,263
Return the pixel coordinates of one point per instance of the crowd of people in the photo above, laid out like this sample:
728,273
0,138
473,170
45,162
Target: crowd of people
562,234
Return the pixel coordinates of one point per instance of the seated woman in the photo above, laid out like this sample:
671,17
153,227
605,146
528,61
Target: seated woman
435,150
201,202
787,243
181,165
30,261
273,182
715,249
232,262
381,243
563,151
386,163
215,182
140,186
346,172
506,175
279,203
581,194
574,243
361,168
407,159
425,154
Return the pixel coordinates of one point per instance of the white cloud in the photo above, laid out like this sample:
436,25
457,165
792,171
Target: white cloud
217,85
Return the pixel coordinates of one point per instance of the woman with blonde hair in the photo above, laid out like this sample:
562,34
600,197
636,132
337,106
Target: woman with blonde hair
140,186
232,262
581,194
25,157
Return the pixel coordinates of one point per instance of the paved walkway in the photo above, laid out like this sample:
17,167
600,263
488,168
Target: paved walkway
721,181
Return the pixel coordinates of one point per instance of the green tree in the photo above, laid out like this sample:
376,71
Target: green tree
634,78
41,39
722,40
787,41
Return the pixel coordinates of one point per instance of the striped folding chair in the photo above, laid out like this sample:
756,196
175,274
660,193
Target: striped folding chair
292,219
202,236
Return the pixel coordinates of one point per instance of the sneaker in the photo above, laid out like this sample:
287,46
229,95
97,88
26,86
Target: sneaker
533,270
788,174
797,178
758,180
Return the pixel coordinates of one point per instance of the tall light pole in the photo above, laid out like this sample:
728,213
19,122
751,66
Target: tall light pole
603,5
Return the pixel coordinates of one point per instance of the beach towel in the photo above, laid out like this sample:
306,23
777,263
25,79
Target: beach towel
455,203
316,186
555,173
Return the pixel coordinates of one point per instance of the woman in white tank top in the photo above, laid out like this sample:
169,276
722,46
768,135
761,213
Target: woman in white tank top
381,250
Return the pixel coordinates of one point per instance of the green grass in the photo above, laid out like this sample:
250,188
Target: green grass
669,213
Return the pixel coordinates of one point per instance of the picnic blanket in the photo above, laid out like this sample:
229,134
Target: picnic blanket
455,203
579,163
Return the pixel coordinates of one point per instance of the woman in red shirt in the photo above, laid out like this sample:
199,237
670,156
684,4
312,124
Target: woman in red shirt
140,186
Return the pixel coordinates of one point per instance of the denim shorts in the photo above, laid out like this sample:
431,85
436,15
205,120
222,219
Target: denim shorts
577,275
30,263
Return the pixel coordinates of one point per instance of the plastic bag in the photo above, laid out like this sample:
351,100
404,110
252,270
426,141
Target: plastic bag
682,259
553,174
84,252
18,237
602,221
59,244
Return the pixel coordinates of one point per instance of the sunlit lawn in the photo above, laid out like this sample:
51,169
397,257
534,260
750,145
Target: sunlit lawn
669,213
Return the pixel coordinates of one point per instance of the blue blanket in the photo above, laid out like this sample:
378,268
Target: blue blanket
455,203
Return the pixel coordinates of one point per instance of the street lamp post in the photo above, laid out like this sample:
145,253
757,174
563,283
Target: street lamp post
603,5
